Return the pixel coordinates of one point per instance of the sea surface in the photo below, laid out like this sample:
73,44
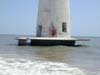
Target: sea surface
49,60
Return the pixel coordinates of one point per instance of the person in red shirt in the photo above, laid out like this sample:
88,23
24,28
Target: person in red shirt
53,31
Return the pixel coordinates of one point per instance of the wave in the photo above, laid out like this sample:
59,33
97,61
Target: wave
12,66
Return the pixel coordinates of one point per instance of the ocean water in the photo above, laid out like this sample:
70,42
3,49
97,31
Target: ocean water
49,60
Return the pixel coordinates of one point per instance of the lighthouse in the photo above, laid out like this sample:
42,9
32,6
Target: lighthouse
53,19
53,24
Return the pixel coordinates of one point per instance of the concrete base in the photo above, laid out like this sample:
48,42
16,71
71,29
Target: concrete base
52,42
42,41
22,42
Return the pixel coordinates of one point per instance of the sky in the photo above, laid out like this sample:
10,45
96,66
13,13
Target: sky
20,16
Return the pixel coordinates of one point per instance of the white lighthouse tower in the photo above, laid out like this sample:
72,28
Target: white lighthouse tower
53,24
53,18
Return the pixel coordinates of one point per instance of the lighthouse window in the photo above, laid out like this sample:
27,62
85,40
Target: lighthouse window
64,27
39,30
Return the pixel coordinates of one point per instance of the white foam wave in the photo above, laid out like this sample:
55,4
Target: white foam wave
13,66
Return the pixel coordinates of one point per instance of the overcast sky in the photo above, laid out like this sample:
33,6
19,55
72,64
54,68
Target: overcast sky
19,17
